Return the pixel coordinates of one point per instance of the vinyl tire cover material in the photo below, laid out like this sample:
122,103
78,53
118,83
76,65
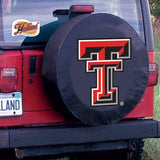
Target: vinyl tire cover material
66,76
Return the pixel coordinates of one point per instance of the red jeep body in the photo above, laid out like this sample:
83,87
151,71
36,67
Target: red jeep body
28,112
37,108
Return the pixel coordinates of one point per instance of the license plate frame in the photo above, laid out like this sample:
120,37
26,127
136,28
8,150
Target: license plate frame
11,104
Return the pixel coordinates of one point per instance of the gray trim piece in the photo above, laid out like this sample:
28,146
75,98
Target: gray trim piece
158,128
148,31
77,135
65,149
4,139
48,136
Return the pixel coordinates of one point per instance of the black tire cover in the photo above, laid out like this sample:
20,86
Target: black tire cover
70,85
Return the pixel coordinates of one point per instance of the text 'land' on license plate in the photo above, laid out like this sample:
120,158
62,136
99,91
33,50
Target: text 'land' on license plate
10,104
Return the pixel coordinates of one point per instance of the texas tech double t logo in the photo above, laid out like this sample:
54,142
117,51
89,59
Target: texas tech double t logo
104,56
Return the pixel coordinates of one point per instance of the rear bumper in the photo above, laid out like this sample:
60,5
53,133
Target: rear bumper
78,134
59,140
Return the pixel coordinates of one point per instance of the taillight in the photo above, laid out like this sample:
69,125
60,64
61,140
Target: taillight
82,8
153,74
8,80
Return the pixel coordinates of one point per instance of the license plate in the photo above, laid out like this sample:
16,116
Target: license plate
10,104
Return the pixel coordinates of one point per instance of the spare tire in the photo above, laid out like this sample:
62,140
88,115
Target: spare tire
96,66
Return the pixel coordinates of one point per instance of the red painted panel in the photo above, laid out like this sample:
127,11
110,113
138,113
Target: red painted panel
146,106
151,55
36,106
34,96
33,118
